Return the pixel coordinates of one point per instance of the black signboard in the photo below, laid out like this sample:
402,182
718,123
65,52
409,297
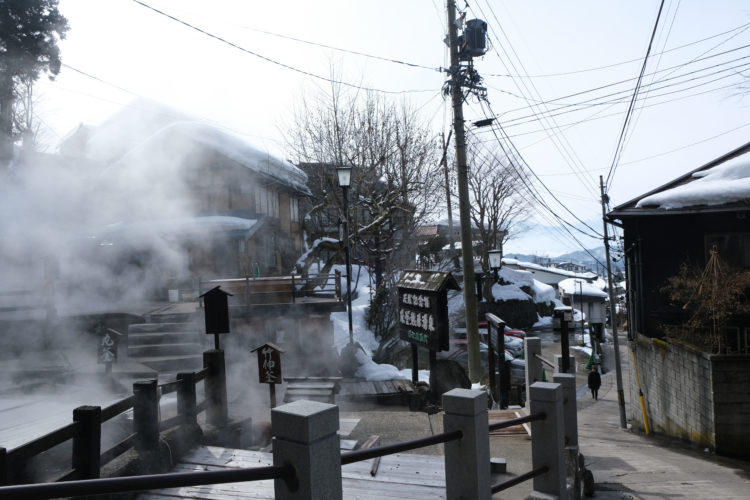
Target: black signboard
423,308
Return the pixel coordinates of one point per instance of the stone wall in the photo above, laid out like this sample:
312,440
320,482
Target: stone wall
691,395
676,384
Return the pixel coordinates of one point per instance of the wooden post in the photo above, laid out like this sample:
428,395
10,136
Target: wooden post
272,387
3,467
215,385
146,415
87,441
186,399
491,362
414,363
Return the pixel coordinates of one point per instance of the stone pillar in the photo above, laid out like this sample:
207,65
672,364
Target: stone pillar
532,346
548,439
305,436
571,363
467,461
570,411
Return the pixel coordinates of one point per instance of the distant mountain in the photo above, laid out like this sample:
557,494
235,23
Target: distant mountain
579,257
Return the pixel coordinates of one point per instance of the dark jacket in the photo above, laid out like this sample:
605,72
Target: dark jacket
595,380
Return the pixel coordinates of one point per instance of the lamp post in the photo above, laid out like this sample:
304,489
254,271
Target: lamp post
345,177
495,258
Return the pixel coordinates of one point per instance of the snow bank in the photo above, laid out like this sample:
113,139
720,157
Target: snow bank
725,183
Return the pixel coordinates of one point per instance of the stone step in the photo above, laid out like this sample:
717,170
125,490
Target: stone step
162,327
144,351
141,339
174,364
171,317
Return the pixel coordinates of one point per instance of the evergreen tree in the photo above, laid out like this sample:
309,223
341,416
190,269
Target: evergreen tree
29,33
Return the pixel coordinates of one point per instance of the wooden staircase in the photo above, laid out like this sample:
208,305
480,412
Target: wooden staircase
168,343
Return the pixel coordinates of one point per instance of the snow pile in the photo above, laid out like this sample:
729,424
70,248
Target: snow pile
539,267
542,293
722,184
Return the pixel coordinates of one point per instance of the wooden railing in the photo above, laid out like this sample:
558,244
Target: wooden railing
85,431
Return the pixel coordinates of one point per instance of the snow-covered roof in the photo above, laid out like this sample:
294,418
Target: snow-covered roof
552,270
725,183
720,185
227,144
574,286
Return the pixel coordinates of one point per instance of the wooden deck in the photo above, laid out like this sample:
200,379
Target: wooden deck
400,476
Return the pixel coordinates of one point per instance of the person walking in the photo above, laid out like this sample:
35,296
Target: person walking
595,382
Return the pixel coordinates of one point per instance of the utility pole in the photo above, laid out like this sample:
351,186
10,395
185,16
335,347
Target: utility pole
451,236
613,308
470,299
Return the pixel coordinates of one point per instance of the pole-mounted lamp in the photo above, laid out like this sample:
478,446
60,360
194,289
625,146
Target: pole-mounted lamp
345,177
495,258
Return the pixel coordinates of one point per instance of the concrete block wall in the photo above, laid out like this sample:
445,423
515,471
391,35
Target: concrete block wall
731,386
676,381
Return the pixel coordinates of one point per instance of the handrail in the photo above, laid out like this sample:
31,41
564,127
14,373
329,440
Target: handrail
201,375
519,479
389,449
147,482
517,421
117,450
546,362
43,443
115,409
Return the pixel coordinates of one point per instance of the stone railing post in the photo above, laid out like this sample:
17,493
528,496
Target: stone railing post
305,436
146,415
532,346
559,363
87,441
570,411
548,439
467,460
215,384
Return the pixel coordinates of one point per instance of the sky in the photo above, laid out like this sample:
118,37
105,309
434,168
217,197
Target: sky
690,110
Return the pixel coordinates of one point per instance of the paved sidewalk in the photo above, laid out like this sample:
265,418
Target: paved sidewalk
628,464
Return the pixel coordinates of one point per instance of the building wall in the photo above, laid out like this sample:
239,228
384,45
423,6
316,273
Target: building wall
693,396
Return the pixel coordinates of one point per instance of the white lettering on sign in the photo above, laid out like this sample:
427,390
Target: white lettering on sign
416,300
425,321
268,365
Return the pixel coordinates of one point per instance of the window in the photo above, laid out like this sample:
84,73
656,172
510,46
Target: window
734,248
294,209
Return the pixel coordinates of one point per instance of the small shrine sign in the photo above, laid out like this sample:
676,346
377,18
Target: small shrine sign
423,307
269,363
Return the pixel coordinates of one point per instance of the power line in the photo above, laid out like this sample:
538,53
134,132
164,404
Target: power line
618,150
586,70
325,46
272,61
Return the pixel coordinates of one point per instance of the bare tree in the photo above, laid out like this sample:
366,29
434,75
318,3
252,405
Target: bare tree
496,206
395,182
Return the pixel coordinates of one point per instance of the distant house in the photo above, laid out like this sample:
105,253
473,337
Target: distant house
571,266
588,299
681,222
692,389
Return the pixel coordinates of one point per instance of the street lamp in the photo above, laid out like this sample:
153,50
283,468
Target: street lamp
495,258
345,177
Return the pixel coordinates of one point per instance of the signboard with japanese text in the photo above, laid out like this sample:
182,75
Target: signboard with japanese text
423,308
269,363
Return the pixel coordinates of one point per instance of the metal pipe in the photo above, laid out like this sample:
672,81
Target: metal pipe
517,421
148,482
519,479
546,362
389,449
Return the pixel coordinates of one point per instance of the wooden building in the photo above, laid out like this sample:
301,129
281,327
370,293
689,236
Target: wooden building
681,222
